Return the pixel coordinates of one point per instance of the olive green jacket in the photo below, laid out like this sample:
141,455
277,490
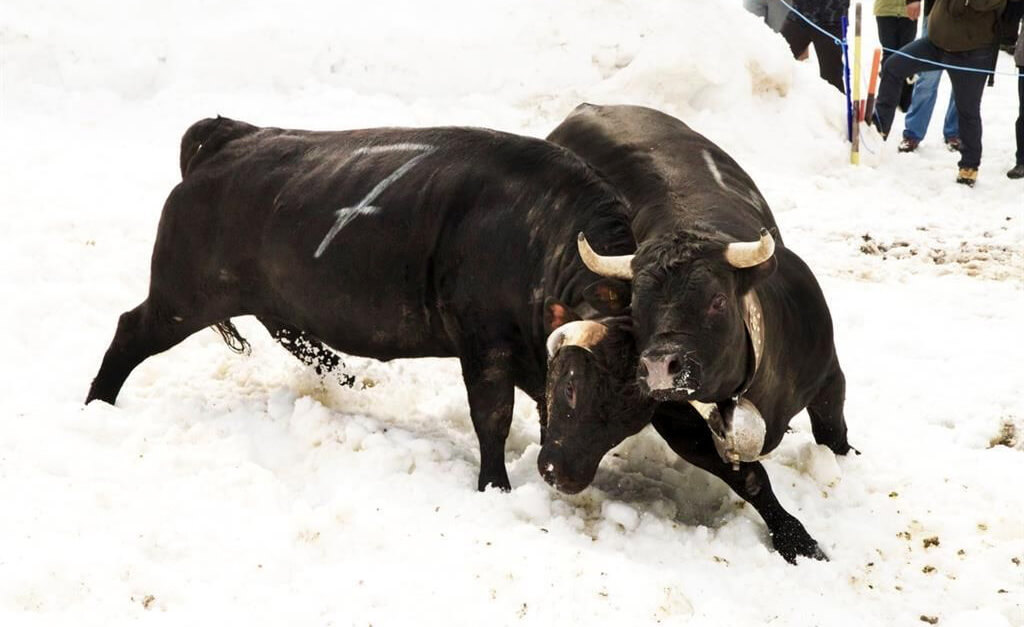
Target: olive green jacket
891,8
961,25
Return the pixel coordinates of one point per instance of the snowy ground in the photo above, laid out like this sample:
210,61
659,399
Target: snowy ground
245,490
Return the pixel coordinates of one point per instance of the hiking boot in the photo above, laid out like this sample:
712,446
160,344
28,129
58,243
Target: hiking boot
953,144
909,144
967,176
1017,172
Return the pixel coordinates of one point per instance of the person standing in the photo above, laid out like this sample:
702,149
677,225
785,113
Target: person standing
922,103
826,15
897,27
772,11
1017,172
962,33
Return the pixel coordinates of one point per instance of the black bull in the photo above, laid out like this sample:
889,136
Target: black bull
701,343
385,243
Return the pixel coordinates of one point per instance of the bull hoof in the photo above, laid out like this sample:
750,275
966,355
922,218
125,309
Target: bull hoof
796,543
502,483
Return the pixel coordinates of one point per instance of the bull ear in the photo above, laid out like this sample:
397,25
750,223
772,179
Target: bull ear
749,277
556,314
610,297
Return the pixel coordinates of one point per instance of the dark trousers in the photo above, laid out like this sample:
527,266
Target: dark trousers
893,34
968,88
1020,115
799,35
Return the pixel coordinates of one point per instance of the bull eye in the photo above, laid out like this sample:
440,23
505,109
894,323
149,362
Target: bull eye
718,303
570,394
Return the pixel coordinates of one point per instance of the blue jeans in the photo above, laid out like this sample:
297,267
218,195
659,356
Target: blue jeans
922,103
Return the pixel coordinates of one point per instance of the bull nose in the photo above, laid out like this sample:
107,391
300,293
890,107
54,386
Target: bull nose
667,371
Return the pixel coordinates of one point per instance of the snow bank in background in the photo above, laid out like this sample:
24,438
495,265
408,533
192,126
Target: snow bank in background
228,489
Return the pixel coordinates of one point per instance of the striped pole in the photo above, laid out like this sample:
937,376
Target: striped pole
855,79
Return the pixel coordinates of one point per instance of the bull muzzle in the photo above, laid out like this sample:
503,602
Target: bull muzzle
670,375
565,476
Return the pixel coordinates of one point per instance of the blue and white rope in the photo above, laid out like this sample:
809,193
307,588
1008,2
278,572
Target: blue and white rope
844,44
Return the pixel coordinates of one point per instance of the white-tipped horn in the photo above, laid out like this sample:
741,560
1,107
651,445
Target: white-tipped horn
615,267
582,333
750,254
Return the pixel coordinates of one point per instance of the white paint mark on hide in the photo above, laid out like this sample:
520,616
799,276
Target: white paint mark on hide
708,159
363,207
403,147
752,197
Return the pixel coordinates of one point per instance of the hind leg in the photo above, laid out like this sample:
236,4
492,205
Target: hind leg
826,411
144,331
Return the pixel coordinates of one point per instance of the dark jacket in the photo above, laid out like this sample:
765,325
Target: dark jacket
961,25
821,12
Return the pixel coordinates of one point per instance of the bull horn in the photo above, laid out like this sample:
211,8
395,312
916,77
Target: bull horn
750,254
615,267
582,333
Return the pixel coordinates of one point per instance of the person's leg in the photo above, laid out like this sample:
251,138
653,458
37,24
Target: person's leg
894,73
951,125
888,35
968,88
1020,115
906,30
797,35
926,89
830,55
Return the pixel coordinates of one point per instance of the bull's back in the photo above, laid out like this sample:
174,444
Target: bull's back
338,233
673,176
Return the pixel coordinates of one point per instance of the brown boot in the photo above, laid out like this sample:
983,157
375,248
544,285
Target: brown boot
967,176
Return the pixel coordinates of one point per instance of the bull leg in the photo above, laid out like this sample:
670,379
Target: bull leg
826,411
685,431
306,348
491,395
141,333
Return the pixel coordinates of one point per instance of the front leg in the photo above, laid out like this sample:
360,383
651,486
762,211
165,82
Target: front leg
685,431
491,396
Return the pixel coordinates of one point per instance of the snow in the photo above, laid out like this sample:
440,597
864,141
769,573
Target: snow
227,489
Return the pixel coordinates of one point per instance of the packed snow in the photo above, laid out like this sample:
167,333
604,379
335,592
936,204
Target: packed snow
228,489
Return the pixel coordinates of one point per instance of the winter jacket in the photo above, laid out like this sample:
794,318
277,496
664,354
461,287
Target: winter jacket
821,12
962,25
892,8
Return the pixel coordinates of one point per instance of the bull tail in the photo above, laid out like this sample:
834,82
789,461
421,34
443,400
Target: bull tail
204,138
229,332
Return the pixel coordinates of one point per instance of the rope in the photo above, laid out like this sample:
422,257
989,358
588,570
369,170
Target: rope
845,45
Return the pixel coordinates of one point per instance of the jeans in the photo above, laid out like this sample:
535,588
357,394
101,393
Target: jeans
968,88
926,91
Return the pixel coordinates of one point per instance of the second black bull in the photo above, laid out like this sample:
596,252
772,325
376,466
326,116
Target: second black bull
733,335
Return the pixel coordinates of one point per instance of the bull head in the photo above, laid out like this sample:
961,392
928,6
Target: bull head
691,312
593,400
